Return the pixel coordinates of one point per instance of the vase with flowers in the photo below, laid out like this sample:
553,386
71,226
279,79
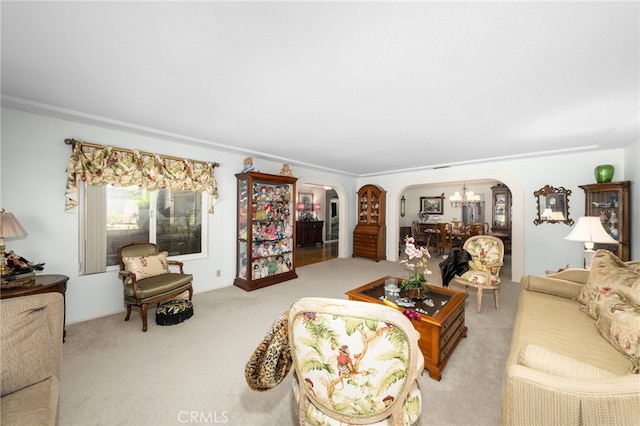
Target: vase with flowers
415,261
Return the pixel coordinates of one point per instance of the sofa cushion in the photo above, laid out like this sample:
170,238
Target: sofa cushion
608,274
35,405
557,324
147,266
26,359
542,359
619,323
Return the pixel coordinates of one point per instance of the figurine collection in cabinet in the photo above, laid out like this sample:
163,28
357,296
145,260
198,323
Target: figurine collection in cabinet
266,235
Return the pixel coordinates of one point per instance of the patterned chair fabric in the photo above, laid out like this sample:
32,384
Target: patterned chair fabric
354,363
487,255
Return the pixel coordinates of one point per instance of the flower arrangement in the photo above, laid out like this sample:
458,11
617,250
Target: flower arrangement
415,261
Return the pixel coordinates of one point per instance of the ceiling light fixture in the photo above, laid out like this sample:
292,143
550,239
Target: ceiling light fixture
468,198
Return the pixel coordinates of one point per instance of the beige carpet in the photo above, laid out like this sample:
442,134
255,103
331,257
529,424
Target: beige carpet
193,372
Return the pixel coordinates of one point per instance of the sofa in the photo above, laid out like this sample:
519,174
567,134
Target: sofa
30,353
565,365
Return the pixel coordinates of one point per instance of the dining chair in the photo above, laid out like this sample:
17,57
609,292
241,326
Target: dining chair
419,236
444,237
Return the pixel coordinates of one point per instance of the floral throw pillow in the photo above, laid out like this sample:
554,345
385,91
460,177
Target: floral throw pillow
609,275
619,323
147,266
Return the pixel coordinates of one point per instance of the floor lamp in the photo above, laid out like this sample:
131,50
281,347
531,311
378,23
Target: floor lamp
589,230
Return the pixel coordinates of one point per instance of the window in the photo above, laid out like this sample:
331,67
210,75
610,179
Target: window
171,219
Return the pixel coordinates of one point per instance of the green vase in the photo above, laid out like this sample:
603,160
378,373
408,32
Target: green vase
604,173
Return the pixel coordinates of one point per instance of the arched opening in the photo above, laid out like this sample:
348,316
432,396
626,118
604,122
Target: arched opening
517,226
334,211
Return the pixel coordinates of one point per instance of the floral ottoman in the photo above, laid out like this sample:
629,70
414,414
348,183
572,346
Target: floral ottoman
174,312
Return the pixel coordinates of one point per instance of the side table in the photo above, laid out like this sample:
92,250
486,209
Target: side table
44,284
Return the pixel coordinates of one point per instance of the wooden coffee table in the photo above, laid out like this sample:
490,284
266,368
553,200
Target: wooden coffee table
441,329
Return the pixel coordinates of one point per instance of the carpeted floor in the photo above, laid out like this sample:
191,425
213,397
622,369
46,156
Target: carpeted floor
193,372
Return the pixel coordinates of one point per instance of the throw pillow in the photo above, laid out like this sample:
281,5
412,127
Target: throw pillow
542,359
607,275
619,323
147,266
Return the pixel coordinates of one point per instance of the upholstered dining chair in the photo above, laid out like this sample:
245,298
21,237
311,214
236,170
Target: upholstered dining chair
354,363
147,279
487,256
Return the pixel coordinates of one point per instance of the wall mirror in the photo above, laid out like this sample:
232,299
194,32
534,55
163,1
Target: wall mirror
553,205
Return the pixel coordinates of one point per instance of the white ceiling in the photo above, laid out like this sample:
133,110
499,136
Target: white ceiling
358,87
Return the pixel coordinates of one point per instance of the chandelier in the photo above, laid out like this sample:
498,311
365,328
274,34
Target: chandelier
468,198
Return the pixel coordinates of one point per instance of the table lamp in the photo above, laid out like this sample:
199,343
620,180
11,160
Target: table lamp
589,230
9,228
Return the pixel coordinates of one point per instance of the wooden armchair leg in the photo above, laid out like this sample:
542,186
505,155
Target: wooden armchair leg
496,294
143,312
128,313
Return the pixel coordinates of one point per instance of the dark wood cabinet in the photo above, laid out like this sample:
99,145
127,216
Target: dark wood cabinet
501,214
610,202
309,232
266,235
369,236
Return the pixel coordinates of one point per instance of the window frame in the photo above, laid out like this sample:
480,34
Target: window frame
82,233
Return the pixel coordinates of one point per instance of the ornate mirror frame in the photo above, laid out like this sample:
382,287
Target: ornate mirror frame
553,205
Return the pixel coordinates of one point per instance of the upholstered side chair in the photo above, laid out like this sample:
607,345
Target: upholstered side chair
354,363
147,279
487,257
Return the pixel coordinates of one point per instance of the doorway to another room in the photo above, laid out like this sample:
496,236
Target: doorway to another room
317,206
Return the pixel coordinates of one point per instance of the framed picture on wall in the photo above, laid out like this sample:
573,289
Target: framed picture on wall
306,199
431,205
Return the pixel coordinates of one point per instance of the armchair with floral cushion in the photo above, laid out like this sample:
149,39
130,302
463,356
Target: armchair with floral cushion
354,363
487,256
147,279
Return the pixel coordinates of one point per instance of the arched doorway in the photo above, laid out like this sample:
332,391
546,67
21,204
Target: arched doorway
517,225
339,202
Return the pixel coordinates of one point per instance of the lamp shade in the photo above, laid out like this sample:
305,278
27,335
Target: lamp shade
589,229
301,207
316,207
547,213
9,226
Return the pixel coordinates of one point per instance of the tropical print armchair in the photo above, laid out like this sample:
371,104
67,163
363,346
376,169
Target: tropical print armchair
487,256
354,363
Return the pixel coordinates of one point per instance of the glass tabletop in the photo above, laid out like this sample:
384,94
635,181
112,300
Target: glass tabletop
430,305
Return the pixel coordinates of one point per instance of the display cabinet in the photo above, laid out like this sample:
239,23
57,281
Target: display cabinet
610,202
266,233
369,236
501,214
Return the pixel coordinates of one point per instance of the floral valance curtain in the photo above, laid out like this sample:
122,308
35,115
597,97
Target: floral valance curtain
102,165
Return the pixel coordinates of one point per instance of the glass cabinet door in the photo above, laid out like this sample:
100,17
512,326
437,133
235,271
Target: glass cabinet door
500,209
272,229
605,206
610,203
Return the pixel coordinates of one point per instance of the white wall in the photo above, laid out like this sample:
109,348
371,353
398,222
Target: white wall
535,249
34,157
